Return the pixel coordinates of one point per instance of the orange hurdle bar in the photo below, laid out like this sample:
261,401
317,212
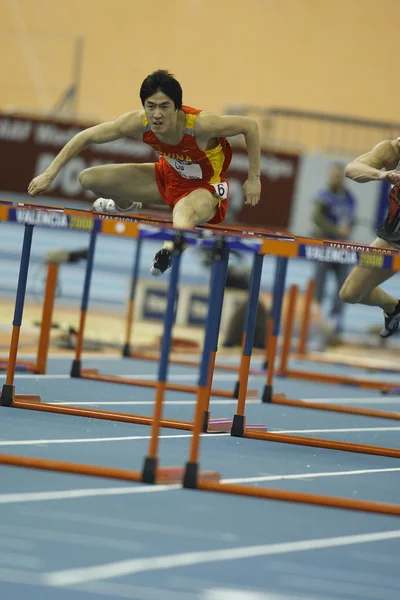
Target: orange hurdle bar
352,410
94,375
298,440
19,402
300,498
165,475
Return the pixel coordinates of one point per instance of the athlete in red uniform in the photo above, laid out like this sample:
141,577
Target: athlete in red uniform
189,176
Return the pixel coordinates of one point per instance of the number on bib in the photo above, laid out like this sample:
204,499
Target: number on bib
221,190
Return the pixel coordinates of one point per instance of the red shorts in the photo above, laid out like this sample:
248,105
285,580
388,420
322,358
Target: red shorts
174,187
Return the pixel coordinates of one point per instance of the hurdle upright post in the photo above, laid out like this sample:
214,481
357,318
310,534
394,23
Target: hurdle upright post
131,303
220,254
306,317
47,316
277,301
149,473
7,394
288,330
238,423
203,391
76,364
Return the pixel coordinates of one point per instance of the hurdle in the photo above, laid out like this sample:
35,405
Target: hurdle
86,221
39,365
93,374
239,429
151,472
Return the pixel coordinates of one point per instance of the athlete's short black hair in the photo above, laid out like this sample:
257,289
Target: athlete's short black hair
162,81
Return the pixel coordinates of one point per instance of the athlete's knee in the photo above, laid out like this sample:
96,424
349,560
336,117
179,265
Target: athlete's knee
350,293
184,218
87,178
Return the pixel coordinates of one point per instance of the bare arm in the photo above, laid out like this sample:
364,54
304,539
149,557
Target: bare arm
210,126
368,167
128,124
99,134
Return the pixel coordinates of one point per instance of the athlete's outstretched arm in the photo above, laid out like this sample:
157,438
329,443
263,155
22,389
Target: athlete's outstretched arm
129,123
209,126
368,166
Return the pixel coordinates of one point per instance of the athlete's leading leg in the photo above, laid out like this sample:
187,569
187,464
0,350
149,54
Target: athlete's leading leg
361,287
123,183
196,208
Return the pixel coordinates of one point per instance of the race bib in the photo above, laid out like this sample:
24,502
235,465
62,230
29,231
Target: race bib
221,189
187,170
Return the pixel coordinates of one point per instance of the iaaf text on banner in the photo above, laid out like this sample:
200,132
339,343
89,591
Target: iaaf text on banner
28,145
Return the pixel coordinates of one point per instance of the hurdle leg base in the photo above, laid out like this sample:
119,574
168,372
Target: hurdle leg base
149,473
126,351
256,428
238,425
219,426
90,372
27,398
76,368
190,477
7,395
206,420
173,475
267,394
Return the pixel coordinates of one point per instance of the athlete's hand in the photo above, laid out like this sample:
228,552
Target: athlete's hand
392,176
40,184
252,191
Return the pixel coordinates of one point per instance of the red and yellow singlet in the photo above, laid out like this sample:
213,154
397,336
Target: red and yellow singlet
184,167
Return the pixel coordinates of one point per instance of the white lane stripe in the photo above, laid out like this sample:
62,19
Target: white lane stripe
34,376
171,561
347,430
84,493
183,435
90,492
347,400
106,439
308,475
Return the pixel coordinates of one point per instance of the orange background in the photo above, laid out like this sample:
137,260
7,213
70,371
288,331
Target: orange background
339,57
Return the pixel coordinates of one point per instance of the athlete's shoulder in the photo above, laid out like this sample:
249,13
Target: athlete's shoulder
189,110
131,123
205,122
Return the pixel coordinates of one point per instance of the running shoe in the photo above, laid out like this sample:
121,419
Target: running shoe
161,262
391,322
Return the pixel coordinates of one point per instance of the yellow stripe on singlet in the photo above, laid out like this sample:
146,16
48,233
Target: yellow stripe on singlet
216,158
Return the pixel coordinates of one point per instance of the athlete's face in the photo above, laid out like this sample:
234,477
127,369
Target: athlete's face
160,112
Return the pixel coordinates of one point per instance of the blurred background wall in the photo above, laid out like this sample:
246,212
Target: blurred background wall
338,57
